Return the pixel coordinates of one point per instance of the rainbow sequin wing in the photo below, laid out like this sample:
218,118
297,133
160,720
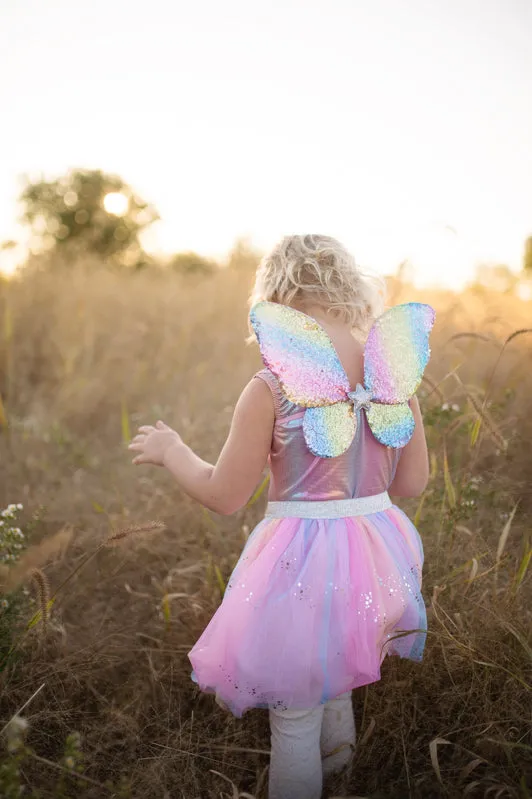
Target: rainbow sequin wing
329,430
392,425
396,354
300,354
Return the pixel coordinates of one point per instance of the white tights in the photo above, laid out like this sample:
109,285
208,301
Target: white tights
301,745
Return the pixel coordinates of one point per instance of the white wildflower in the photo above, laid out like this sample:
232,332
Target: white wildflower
455,407
70,762
17,725
445,406
14,732
20,506
4,604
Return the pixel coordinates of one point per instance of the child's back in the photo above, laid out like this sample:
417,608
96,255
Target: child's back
366,468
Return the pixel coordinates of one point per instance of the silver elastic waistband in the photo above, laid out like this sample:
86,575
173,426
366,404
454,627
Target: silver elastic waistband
329,509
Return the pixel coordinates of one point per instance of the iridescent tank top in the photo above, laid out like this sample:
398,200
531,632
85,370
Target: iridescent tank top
365,469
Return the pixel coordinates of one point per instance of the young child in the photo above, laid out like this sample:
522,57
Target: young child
331,577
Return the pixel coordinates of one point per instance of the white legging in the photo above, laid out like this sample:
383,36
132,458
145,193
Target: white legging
307,745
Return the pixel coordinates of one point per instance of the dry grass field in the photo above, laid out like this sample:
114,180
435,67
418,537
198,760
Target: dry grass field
88,354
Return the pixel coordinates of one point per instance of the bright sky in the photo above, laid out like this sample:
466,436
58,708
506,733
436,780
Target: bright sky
404,127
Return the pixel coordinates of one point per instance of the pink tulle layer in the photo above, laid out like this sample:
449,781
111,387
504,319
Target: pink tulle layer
311,609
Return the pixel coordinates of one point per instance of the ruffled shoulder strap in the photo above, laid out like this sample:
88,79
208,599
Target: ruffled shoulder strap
281,404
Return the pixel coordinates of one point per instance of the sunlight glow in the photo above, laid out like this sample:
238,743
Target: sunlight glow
116,203
440,258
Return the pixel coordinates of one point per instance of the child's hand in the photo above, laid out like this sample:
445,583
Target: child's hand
152,443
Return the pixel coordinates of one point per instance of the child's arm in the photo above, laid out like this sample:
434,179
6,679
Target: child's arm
412,474
225,487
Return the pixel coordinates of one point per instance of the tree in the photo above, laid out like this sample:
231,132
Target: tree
98,212
527,260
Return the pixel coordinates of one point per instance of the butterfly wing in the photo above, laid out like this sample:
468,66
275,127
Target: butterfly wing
300,354
397,352
329,430
392,425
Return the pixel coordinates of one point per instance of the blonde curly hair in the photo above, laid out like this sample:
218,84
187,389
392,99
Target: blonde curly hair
318,270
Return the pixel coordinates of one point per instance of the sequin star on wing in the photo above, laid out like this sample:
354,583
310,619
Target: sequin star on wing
301,355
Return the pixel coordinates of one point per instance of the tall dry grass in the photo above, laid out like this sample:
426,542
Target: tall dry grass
88,354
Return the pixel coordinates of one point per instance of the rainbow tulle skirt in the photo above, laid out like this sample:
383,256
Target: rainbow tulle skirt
322,592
